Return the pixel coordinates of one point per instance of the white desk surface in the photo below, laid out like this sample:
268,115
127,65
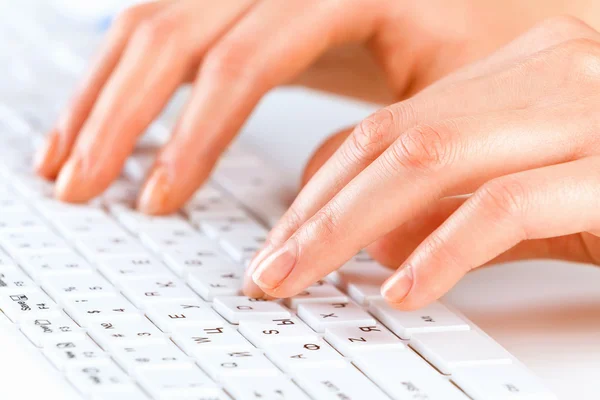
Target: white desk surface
546,313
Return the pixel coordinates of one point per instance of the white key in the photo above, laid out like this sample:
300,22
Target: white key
65,353
55,209
108,246
266,333
120,268
95,379
318,293
145,292
227,364
5,259
199,210
90,225
451,350
364,292
217,227
129,393
63,287
315,354
160,355
241,246
321,316
182,382
171,316
163,237
21,221
30,304
22,243
51,328
236,308
433,318
10,202
137,222
31,185
404,375
121,191
501,382
42,265
198,340
349,340
93,309
256,388
123,333
338,383
363,270
15,279
210,283
182,261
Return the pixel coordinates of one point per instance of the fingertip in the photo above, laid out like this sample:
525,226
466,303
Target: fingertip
47,159
154,196
396,289
69,183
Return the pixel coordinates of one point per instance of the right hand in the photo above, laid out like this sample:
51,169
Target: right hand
237,50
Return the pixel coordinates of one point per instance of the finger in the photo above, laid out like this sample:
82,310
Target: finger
269,46
59,142
323,153
422,166
159,56
552,201
459,94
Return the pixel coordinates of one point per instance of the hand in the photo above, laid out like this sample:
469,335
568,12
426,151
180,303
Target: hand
518,131
235,51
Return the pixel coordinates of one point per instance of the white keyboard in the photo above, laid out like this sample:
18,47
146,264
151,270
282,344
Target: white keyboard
127,306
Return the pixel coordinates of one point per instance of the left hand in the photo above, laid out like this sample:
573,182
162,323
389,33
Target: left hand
518,130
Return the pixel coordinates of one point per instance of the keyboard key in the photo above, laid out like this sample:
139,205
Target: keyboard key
253,388
316,355
236,308
498,382
120,268
181,382
21,221
130,392
89,225
31,304
5,259
94,379
42,265
64,287
210,283
448,351
39,242
242,246
217,227
65,354
221,365
93,309
321,316
14,278
171,316
172,236
161,355
183,261
338,383
266,333
108,246
125,333
51,328
138,222
196,341
145,292
404,375
351,339
433,318
320,292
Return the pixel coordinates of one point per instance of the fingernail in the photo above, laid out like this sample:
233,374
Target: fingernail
68,183
271,272
258,257
156,191
397,287
47,153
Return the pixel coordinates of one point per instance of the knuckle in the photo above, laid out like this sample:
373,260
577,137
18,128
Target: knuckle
565,26
423,148
231,59
504,198
156,29
324,224
372,133
583,59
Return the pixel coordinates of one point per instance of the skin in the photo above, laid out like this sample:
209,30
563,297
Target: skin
501,128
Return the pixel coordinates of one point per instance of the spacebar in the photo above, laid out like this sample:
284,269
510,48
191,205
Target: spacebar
24,372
